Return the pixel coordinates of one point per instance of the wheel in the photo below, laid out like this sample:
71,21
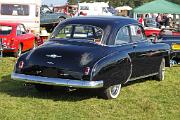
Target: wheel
43,88
161,72
111,92
19,51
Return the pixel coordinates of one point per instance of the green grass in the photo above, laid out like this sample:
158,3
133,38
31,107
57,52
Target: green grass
140,100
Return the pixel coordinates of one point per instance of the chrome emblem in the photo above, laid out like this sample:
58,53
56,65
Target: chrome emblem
51,63
54,56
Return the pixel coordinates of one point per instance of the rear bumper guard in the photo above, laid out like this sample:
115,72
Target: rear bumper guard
57,81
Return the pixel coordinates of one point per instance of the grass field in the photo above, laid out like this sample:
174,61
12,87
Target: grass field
140,100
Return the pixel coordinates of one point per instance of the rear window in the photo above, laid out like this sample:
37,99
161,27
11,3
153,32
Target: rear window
78,31
14,9
5,30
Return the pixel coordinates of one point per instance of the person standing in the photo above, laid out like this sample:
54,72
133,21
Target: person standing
141,20
159,20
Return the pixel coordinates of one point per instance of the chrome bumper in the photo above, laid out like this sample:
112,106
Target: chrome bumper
57,81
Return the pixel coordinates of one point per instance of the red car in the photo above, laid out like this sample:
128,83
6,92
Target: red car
150,31
15,38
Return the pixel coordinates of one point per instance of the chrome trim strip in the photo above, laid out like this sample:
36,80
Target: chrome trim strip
57,81
144,76
5,48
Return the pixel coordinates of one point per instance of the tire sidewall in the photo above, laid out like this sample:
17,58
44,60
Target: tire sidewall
107,93
161,70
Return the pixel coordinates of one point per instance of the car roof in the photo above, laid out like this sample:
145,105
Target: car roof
101,20
9,23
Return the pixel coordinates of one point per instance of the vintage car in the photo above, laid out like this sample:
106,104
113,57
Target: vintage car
150,22
151,31
49,19
93,52
15,38
171,37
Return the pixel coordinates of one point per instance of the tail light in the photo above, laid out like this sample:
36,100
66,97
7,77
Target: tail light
21,64
86,70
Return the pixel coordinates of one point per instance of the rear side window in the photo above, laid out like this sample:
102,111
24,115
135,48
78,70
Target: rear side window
122,36
20,30
136,33
14,9
5,30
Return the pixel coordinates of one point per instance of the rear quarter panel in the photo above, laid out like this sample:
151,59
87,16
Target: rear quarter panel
113,69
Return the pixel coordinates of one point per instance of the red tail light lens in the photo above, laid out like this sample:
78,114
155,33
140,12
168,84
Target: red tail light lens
21,64
86,70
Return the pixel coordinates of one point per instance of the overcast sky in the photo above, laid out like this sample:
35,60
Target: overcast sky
54,2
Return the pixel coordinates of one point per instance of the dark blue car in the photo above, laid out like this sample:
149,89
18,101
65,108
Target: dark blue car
93,52
172,38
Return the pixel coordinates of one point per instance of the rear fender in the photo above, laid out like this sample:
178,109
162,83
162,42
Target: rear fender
113,69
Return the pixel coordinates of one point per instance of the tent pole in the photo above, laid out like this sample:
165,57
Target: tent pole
179,23
135,16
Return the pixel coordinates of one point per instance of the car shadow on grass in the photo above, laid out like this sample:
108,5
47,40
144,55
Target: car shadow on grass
18,89
139,81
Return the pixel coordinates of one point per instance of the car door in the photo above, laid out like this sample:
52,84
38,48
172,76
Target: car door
124,46
28,38
19,37
145,61
23,37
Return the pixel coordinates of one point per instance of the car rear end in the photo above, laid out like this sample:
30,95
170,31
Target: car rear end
60,64
174,42
6,35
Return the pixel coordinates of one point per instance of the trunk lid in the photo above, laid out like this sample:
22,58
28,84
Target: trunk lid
65,57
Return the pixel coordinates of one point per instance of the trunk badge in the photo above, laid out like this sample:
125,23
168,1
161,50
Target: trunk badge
51,63
53,56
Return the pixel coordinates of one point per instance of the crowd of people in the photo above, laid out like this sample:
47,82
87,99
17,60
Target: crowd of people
160,19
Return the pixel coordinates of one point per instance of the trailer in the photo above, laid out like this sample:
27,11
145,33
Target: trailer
22,11
95,8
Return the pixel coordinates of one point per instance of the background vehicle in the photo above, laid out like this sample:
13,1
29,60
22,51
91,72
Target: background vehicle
49,18
151,31
106,52
171,37
15,38
95,8
150,22
26,12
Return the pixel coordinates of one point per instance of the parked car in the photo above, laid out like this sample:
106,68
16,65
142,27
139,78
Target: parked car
49,17
150,22
171,37
151,31
93,52
15,38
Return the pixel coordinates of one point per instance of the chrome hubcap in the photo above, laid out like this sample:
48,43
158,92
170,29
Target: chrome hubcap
115,90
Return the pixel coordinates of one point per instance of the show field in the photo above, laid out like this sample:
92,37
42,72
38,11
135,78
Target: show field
145,99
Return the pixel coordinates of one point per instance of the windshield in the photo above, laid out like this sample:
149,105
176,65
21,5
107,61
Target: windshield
79,32
5,30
